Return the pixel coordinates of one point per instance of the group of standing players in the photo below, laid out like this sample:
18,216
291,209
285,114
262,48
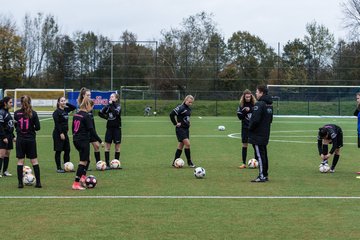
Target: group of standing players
255,113
26,122
84,133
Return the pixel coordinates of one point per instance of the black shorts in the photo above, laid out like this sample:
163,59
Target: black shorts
113,135
61,145
339,139
244,135
83,148
26,149
182,133
9,145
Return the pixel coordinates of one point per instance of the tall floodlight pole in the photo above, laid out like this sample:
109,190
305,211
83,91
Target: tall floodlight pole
112,67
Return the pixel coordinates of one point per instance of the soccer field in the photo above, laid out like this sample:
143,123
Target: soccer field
149,199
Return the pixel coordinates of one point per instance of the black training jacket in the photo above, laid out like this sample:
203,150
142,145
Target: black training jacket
260,121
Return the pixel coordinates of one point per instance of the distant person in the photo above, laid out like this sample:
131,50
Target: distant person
357,114
60,132
6,134
244,111
147,111
259,131
95,140
330,134
26,123
112,113
180,117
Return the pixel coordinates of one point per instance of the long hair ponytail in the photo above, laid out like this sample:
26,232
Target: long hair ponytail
26,106
82,93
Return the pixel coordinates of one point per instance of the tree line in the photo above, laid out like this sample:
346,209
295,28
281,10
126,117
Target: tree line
193,56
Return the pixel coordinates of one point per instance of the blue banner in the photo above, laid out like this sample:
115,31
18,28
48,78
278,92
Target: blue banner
100,98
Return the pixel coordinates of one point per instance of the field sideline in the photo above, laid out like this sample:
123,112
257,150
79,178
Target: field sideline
150,200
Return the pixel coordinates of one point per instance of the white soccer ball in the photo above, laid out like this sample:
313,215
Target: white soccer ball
199,172
221,128
29,179
27,170
101,165
253,163
115,164
324,168
154,113
179,163
68,167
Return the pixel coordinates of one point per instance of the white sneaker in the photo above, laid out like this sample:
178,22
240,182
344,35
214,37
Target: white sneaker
332,170
7,174
0,176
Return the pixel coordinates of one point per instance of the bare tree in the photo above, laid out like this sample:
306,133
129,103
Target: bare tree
38,40
351,20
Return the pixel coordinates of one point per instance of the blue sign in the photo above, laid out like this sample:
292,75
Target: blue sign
100,98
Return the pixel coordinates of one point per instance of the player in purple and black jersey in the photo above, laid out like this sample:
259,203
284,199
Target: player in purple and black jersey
180,117
6,134
244,111
26,123
82,128
60,132
330,134
112,113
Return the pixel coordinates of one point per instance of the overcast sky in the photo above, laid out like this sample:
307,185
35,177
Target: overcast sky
272,20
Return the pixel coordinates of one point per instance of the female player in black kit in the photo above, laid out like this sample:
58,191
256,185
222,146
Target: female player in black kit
330,133
182,125
82,128
60,132
112,112
94,138
6,134
26,123
244,111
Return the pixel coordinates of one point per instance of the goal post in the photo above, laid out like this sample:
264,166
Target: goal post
43,100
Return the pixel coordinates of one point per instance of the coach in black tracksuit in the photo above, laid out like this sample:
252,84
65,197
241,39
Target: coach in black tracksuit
259,130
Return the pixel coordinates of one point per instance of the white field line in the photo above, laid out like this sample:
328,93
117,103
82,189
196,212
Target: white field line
180,197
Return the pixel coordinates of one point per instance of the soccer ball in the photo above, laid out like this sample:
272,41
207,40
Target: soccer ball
199,172
27,170
115,164
29,179
68,167
324,168
253,163
221,128
179,163
90,181
101,165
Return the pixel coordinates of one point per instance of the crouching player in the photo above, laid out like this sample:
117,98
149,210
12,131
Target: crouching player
330,134
82,128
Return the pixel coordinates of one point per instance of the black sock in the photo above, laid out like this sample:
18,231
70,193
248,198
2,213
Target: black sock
1,163
80,171
6,163
244,153
97,156
20,173
37,173
66,156
107,158
187,154
325,149
335,161
57,159
117,155
87,166
177,153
